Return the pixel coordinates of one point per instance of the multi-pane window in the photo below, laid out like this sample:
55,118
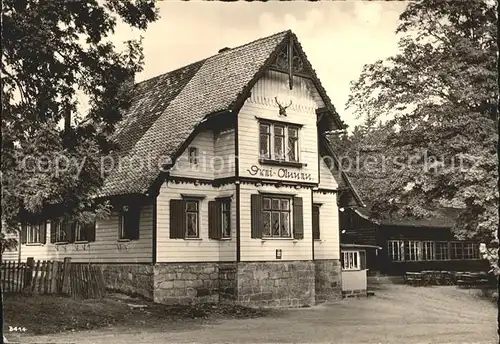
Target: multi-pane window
60,234
265,141
33,234
276,217
193,156
350,260
456,250
399,250
412,249
279,142
442,252
192,218
226,218
396,250
293,144
470,251
427,250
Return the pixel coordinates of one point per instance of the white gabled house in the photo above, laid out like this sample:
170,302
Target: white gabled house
226,187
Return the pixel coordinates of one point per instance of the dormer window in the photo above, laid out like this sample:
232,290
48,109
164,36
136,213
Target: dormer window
279,142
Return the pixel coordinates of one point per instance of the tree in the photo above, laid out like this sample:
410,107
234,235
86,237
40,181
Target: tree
51,148
442,91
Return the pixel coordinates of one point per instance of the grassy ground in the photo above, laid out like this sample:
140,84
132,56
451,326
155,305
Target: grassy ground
396,314
44,314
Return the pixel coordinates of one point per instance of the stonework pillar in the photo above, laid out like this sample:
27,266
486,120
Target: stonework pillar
327,280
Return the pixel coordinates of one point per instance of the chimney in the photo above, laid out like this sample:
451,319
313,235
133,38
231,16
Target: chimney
224,49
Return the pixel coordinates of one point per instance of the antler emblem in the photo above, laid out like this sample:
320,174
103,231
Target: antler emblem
282,108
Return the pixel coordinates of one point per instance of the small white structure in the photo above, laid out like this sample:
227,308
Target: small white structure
354,271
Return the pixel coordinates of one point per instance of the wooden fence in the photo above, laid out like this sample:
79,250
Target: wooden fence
53,277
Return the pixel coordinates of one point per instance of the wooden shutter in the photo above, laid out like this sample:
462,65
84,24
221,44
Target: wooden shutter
53,229
132,223
24,233
298,218
362,259
256,210
43,232
214,219
177,219
315,221
69,229
89,230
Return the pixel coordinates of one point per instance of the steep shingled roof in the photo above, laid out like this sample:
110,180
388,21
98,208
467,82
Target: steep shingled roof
166,109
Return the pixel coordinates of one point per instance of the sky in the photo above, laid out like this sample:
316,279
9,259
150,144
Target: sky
338,37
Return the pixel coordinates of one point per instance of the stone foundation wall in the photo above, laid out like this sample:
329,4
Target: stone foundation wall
129,278
184,283
276,284
228,284
255,284
327,280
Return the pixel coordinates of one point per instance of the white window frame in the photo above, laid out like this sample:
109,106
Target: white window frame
279,211
33,234
470,251
60,233
225,216
427,250
351,261
271,137
197,212
438,253
413,248
396,250
194,159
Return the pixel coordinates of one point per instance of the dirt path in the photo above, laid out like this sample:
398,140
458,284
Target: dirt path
397,314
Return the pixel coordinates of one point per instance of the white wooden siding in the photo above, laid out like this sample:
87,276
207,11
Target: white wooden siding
328,246
224,156
193,250
354,280
265,250
262,104
326,179
204,141
105,249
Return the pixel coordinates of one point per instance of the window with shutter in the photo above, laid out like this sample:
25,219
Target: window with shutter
315,221
219,219
129,223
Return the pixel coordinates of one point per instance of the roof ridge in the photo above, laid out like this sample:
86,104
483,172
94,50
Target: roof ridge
206,58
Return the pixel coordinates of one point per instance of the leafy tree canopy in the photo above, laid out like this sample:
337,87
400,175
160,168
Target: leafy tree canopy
441,91
51,148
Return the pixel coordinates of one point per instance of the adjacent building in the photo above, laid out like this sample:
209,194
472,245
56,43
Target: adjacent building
410,244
